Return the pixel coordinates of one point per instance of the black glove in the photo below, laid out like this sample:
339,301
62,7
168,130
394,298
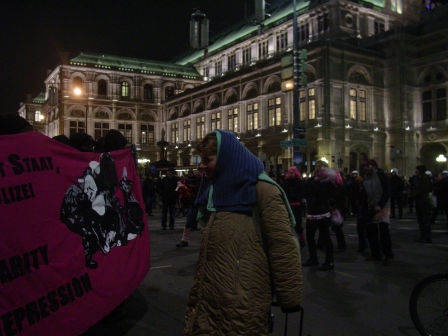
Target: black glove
291,309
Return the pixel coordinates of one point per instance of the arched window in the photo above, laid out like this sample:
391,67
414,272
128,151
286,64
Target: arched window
147,92
77,82
124,89
77,86
102,87
169,92
274,87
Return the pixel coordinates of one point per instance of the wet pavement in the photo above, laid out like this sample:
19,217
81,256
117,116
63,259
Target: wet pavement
358,298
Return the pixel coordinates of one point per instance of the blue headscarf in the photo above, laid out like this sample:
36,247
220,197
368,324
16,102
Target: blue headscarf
237,171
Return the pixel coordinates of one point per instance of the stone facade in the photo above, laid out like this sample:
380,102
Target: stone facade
377,86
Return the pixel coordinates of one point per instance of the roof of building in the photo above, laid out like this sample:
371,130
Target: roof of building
244,31
129,64
39,99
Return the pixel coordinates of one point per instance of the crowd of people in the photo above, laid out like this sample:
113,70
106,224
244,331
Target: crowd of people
324,200
252,234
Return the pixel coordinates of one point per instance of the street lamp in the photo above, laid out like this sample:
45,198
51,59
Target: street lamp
77,91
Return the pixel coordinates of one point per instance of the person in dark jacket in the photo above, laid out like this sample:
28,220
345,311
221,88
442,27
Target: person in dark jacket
148,190
114,140
293,188
168,195
318,193
441,193
12,123
396,193
377,206
82,142
420,194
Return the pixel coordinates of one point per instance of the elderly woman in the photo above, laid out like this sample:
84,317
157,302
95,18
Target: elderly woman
248,249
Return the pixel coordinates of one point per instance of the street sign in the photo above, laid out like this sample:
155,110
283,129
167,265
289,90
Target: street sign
293,143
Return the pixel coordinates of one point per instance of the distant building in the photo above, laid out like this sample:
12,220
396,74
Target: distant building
376,86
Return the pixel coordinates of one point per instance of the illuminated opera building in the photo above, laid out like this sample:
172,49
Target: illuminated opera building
374,85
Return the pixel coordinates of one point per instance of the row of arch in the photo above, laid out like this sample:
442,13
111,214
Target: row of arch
79,111
168,88
356,74
229,96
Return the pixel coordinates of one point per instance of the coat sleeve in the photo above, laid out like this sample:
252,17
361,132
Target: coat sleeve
282,248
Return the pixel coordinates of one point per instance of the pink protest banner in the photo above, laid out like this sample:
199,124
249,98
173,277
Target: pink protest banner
74,240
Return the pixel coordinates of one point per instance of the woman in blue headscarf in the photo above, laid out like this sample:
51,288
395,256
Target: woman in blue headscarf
248,249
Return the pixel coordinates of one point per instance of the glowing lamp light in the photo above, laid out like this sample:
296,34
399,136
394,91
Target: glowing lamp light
176,147
348,126
77,91
441,158
376,129
318,125
407,128
289,85
258,135
238,137
304,175
143,160
285,130
324,159
189,145
41,117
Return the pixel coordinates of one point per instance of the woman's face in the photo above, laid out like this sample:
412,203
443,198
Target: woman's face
208,165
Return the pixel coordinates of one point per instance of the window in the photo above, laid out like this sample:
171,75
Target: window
379,27
206,71
77,127
147,134
124,89
303,33
38,116
174,132
427,106
126,130
252,116
353,112
263,50
275,111
311,104
246,56
282,41
218,68
216,121
358,104
322,23
434,104
362,105
187,130
77,83
302,99
101,129
232,115
169,91
147,92
102,87
231,62
200,127
441,104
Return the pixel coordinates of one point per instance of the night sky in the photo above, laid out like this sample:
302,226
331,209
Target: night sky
35,33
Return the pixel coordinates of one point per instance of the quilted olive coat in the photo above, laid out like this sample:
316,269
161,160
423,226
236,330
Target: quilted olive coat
231,294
